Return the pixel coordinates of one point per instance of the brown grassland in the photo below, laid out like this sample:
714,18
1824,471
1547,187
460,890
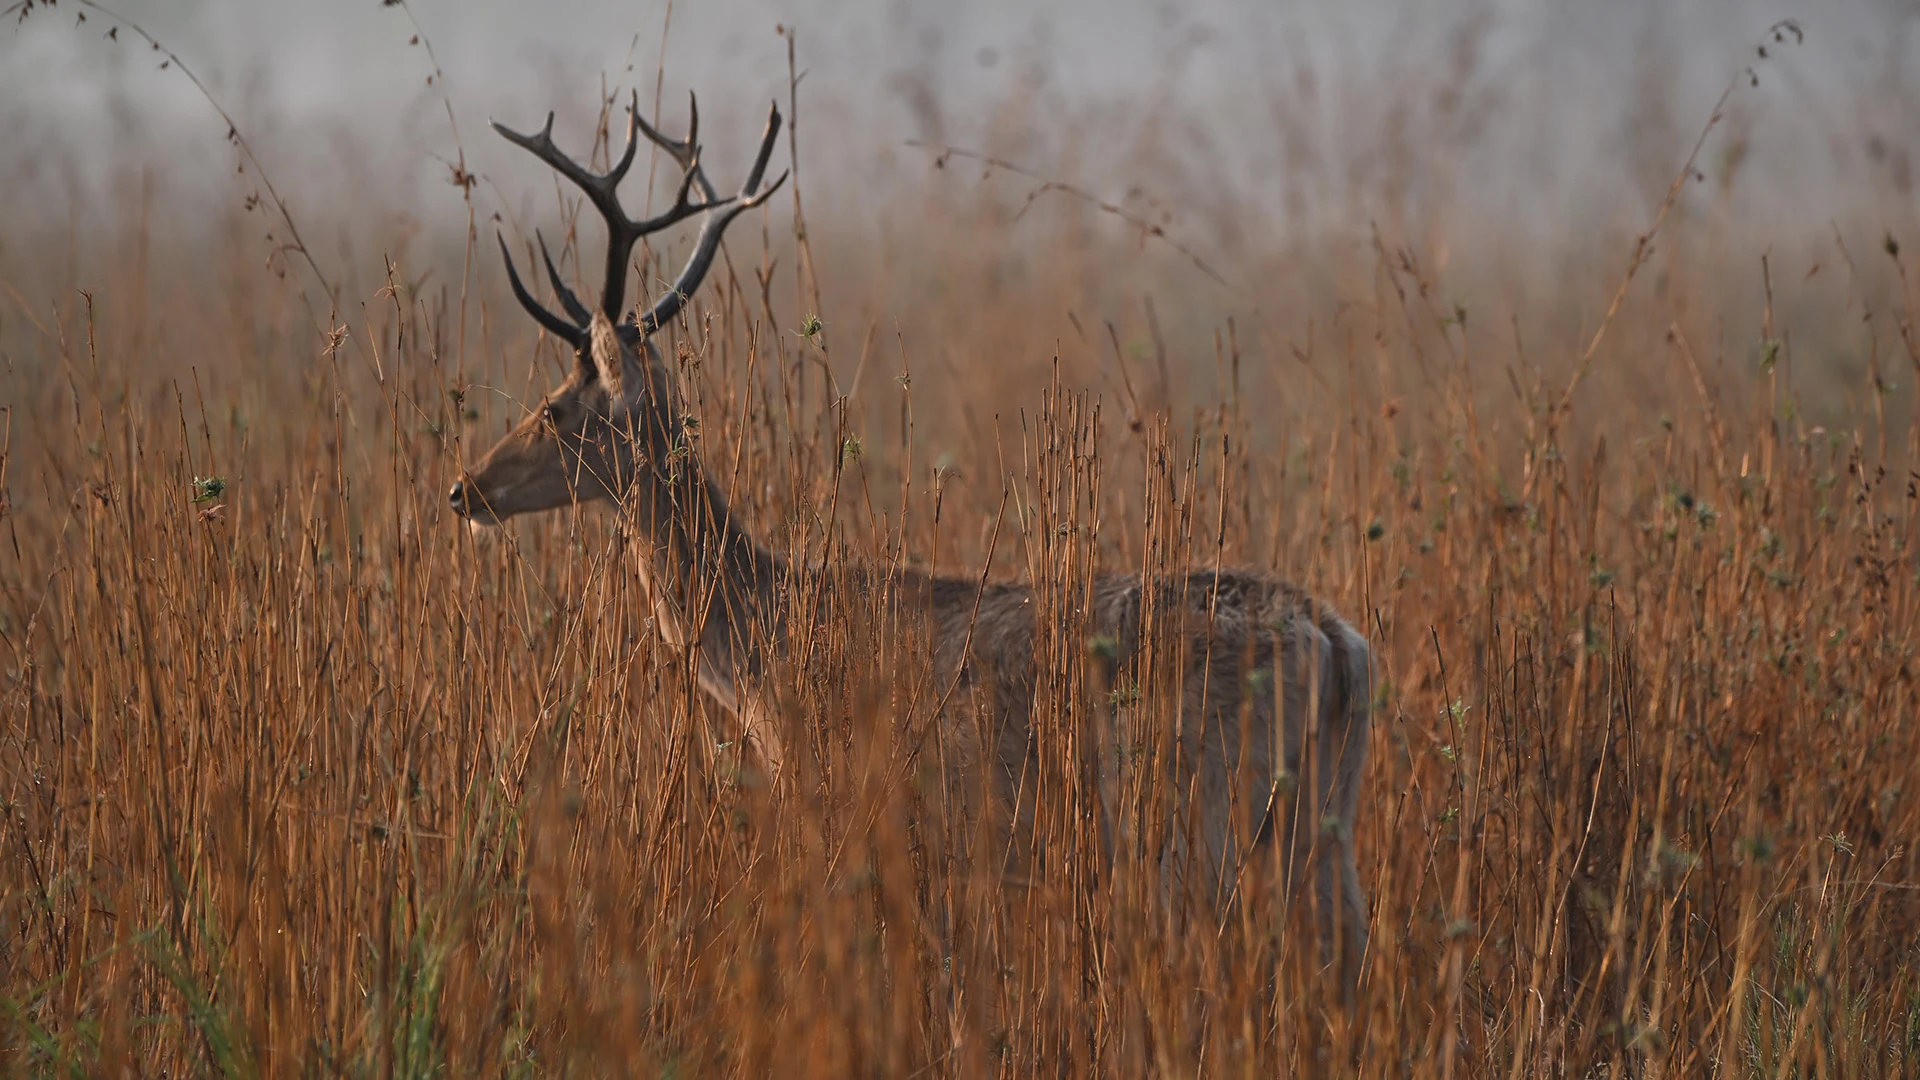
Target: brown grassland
301,777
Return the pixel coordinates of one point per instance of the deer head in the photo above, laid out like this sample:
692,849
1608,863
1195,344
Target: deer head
597,432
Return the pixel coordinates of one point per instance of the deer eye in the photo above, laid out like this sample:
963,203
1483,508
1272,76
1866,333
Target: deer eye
551,413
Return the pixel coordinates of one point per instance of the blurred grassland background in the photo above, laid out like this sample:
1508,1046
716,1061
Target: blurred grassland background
300,777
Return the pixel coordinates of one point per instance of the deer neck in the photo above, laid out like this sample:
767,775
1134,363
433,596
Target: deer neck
711,584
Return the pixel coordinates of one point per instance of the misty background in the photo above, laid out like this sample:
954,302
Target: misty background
1543,109
1513,146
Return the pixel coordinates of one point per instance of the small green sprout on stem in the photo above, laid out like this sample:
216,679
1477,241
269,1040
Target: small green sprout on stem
208,488
682,447
810,328
1600,576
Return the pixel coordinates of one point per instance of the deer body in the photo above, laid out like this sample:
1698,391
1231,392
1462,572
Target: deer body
1270,706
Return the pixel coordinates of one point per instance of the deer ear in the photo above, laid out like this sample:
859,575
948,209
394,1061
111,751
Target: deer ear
613,359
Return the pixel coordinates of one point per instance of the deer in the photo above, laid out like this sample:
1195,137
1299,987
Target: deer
1275,688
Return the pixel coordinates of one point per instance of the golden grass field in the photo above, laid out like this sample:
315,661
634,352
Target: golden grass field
302,778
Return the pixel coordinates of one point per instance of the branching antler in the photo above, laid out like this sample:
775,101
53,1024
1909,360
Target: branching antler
750,196
602,189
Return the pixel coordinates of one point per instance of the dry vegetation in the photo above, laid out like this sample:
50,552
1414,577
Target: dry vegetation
300,777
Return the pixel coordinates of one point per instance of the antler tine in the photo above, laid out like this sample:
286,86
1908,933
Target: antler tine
575,309
748,199
685,154
715,228
619,172
542,147
555,325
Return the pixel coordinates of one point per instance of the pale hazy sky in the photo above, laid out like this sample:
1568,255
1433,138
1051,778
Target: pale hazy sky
335,98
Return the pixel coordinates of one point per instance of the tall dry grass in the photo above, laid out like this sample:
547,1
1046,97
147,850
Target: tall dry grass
301,777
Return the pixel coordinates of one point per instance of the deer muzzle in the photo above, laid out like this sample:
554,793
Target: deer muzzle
466,501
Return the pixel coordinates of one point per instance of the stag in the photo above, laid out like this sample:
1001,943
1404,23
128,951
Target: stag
1273,713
